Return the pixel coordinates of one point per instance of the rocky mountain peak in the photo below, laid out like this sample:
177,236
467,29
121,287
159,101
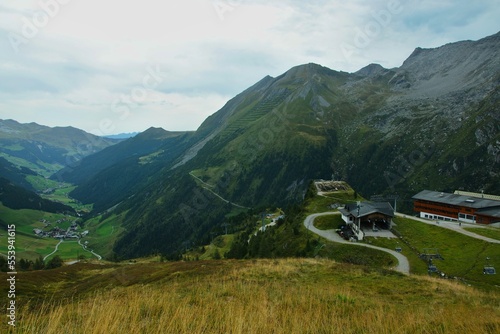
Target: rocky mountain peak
153,133
452,67
371,70
305,72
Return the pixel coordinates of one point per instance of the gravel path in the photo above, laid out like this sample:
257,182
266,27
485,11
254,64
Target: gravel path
403,264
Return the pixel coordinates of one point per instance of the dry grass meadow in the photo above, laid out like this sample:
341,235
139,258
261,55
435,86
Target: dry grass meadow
262,296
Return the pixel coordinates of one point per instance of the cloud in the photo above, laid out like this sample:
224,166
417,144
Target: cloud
442,16
84,56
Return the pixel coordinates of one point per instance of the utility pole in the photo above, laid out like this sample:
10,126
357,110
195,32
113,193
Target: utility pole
225,227
359,220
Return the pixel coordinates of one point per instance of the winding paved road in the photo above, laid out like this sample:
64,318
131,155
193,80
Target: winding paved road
91,251
61,241
55,250
403,264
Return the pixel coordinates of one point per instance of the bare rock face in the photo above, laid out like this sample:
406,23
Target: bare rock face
371,70
453,67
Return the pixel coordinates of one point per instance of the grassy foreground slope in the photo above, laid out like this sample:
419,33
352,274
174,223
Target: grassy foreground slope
260,296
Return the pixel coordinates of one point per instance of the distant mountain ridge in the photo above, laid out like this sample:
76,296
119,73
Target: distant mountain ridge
116,172
122,135
44,149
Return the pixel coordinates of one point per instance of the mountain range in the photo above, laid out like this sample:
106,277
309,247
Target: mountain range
16,197
45,150
123,135
432,123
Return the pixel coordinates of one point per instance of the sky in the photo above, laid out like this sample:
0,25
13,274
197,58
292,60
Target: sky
118,66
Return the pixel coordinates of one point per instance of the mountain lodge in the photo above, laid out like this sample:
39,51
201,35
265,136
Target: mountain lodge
371,215
459,206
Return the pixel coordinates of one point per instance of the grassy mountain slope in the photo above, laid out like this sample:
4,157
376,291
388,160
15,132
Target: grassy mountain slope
16,197
269,150
120,171
167,216
17,175
142,144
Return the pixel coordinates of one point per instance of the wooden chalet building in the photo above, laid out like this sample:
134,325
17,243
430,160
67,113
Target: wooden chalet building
367,215
466,207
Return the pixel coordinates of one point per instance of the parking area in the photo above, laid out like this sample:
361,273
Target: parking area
345,232
383,233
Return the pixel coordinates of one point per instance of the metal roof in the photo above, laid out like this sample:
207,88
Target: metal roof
491,212
367,208
455,199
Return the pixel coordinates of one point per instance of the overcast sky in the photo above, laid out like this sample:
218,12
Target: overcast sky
113,66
